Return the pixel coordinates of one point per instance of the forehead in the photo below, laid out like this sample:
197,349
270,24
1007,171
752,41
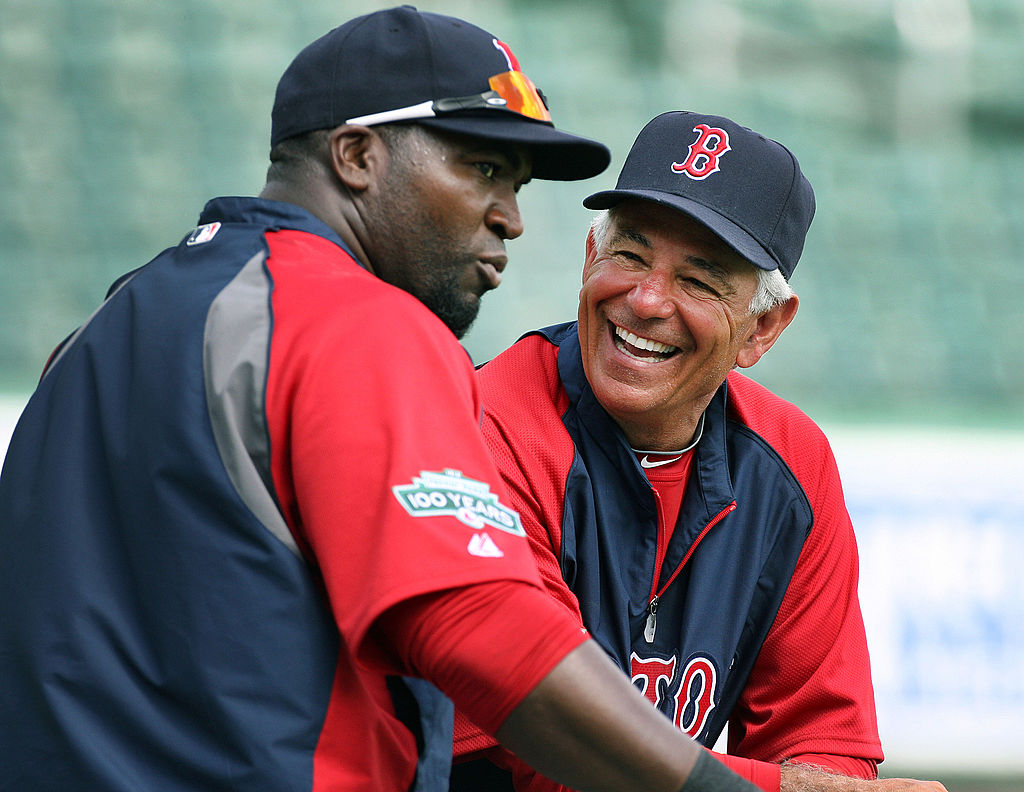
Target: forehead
517,155
665,226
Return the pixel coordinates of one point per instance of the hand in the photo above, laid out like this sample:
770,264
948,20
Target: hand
806,778
902,785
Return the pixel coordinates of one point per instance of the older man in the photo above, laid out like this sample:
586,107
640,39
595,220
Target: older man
691,520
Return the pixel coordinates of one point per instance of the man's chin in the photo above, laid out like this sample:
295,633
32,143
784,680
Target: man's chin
458,317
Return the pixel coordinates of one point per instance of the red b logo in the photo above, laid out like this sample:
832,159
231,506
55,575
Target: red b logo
705,152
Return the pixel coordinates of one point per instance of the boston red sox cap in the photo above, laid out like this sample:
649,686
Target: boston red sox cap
746,188
401,64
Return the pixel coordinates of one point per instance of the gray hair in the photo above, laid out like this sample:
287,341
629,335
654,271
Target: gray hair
772,288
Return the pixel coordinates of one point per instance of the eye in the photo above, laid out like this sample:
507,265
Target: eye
488,169
702,286
629,258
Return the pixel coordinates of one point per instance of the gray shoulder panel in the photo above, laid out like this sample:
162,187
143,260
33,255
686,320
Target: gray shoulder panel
236,350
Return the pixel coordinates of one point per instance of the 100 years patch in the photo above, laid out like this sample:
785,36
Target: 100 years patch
448,492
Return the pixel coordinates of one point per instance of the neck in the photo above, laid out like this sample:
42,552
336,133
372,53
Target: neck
322,204
662,436
667,428
694,439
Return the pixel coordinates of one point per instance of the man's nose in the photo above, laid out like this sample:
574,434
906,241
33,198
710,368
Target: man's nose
651,297
503,217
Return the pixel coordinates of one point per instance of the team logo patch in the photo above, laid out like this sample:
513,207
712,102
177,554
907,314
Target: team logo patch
688,698
203,233
705,153
449,493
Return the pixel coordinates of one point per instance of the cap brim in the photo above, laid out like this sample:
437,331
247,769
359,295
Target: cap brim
557,155
733,235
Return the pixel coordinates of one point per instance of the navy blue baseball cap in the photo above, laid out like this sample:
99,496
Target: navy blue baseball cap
746,188
401,65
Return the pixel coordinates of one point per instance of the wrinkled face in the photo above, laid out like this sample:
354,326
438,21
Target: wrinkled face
663,318
440,216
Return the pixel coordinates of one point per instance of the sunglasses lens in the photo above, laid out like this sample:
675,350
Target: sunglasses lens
520,94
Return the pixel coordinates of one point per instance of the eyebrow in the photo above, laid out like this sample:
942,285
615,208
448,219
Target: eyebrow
632,236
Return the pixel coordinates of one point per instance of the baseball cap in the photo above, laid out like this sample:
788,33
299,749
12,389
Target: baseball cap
401,64
746,188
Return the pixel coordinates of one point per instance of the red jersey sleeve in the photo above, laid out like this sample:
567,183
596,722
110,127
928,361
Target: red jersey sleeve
486,646
530,463
377,458
764,775
810,690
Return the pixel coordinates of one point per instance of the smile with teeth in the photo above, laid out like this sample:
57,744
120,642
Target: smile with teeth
641,348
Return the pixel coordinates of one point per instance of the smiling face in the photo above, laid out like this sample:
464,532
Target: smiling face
663,318
439,218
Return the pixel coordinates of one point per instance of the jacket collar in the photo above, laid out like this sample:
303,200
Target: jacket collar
273,215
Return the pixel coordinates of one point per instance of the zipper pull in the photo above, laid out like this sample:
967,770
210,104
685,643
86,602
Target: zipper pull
652,619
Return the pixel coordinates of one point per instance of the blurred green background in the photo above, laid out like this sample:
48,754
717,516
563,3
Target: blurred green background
118,120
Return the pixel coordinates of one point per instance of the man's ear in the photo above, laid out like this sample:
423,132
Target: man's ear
357,155
591,252
765,332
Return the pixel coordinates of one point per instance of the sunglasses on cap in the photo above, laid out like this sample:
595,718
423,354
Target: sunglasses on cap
511,90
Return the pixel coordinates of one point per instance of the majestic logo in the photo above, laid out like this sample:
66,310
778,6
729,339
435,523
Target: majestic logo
482,545
449,493
705,152
693,699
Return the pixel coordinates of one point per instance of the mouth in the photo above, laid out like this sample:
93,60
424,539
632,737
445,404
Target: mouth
490,269
639,348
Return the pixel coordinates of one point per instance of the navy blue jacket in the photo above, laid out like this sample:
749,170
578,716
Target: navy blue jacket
721,606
